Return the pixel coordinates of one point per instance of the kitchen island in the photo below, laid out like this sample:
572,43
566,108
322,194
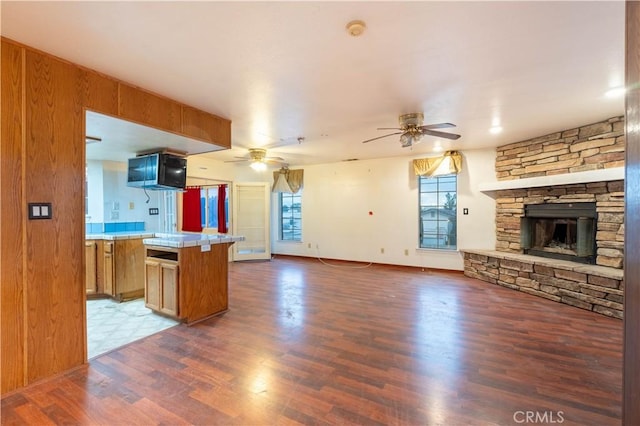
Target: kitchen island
186,275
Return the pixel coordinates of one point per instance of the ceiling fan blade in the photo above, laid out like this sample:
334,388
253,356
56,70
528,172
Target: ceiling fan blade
237,161
274,158
390,128
380,137
437,126
440,134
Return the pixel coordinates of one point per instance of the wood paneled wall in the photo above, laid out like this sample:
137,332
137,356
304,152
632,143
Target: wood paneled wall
11,220
42,322
54,164
631,397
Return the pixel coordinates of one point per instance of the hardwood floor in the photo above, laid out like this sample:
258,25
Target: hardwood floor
306,343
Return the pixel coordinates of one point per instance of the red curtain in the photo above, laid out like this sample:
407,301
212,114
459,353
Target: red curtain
222,214
191,216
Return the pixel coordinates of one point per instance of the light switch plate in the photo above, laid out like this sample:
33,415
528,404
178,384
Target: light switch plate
39,211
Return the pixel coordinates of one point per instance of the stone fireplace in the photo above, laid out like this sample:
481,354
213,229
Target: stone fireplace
560,218
564,231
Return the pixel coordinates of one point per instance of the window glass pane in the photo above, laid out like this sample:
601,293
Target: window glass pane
203,206
438,212
212,207
290,209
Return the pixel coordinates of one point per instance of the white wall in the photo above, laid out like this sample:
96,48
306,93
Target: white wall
338,197
122,203
95,192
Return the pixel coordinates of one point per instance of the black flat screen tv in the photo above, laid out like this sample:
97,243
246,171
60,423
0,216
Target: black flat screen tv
157,171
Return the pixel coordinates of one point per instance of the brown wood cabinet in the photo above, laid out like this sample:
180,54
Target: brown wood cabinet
91,266
123,269
187,283
161,286
108,267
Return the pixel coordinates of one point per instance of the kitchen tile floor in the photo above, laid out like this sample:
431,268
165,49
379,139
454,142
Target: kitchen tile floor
111,324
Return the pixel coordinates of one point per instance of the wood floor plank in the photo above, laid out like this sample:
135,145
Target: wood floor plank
304,343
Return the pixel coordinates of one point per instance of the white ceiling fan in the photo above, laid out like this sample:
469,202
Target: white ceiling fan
259,160
412,130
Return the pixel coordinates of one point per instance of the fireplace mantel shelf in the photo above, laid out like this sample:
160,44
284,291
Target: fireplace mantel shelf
600,175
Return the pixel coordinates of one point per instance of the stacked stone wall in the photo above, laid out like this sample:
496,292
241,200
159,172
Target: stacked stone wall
594,288
595,146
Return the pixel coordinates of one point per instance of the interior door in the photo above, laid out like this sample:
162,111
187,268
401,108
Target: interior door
251,220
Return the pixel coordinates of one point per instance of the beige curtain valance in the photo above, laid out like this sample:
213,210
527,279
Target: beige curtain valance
448,164
286,180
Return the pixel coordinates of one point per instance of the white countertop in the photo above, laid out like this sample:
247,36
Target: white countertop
125,235
180,240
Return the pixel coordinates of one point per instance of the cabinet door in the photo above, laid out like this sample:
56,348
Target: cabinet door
152,284
169,288
90,266
108,268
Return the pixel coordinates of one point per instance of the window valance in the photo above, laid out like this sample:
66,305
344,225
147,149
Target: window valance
286,180
449,163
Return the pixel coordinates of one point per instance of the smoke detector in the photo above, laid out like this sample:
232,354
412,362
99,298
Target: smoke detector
355,28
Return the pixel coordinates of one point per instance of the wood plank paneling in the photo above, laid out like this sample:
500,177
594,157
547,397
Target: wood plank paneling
207,127
99,93
11,220
203,290
54,165
42,319
149,109
631,407
305,343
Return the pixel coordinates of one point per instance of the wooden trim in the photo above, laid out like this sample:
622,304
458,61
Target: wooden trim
631,363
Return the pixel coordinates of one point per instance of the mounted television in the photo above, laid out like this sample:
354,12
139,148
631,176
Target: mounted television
157,171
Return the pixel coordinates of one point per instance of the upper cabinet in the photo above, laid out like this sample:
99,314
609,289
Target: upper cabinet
204,126
149,109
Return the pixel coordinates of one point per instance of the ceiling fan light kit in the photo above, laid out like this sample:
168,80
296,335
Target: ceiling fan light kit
411,130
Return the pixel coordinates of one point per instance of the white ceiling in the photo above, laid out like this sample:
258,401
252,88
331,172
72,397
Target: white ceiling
281,70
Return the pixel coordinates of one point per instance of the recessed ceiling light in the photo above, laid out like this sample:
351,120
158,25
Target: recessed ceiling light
495,130
615,92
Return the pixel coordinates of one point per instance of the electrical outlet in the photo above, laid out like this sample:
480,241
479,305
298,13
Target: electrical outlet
131,205
317,246
406,252
382,250
309,245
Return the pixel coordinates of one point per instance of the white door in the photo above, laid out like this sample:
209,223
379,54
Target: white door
251,220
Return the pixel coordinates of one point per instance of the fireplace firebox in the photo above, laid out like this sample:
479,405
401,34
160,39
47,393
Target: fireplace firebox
564,231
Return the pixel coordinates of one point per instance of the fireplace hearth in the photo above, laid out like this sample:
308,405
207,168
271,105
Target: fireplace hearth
565,231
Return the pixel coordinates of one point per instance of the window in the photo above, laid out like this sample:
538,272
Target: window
290,216
209,206
438,212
